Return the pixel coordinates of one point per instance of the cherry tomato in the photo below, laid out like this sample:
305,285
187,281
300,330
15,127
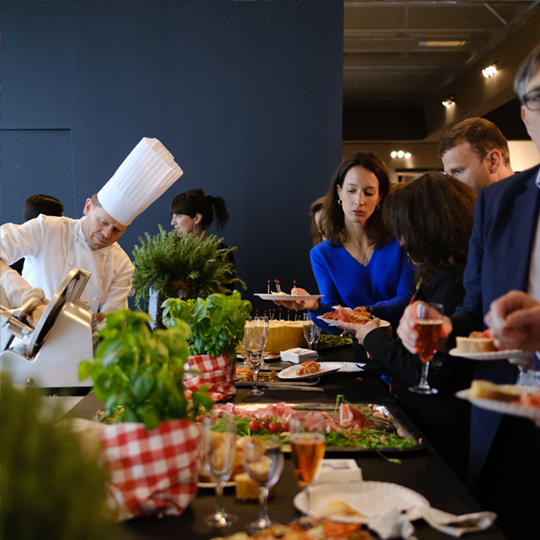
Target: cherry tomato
266,424
273,427
285,426
199,418
254,425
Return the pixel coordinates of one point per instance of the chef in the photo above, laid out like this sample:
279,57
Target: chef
53,246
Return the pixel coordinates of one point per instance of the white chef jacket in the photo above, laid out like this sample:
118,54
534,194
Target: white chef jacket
53,246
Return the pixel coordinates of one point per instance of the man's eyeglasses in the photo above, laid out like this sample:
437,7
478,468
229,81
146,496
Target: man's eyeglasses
532,100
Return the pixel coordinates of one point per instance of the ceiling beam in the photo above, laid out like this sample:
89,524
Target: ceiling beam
475,95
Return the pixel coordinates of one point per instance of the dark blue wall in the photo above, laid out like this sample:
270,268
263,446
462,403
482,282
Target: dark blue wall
246,95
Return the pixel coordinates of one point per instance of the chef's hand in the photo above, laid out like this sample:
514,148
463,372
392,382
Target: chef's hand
514,320
407,332
312,305
359,330
36,314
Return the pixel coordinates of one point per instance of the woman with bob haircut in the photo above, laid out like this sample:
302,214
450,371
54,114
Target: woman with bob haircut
360,263
433,218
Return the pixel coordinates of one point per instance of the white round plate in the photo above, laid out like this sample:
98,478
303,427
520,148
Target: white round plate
502,406
331,322
370,499
289,374
493,355
288,297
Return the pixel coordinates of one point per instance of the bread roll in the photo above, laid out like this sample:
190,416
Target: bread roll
475,343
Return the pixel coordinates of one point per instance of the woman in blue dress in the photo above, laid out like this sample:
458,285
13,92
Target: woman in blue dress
360,263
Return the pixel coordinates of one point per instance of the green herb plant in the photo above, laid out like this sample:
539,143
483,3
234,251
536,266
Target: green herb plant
51,486
202,263
217,322
138,373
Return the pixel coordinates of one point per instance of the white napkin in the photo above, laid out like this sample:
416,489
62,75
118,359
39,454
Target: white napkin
458,525
394,524
298,355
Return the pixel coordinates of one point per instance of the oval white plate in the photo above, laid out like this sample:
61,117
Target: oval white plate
331,322
288,297
290,373
493,355
503,406
369,498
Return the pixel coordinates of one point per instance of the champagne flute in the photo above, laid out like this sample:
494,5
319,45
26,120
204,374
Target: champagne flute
254,344
312,332
263,461
429,325
220,445
263,326
307,443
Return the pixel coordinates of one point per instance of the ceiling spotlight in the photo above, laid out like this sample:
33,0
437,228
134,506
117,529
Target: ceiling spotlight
490,70
449,102
400,154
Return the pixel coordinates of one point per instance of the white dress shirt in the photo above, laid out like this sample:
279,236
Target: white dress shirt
53,246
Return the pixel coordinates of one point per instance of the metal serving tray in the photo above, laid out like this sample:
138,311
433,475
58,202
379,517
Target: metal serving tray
265,379
395,422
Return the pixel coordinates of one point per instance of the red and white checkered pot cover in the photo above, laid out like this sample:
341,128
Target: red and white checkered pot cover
218,374
151,472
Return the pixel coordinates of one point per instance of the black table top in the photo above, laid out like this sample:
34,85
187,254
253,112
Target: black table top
423,471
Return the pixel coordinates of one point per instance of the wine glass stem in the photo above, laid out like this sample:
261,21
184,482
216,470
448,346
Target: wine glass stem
219,493
263,514
423,378
255,378
308,498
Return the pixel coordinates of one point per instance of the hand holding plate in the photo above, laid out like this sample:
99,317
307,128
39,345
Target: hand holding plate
359,330
312,305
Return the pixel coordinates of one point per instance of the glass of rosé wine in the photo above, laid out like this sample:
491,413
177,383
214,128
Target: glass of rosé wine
429,319
306,436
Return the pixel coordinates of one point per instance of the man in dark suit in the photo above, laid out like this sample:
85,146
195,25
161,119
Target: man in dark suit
504,254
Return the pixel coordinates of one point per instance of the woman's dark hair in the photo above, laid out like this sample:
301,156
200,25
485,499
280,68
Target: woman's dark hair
333,219
432,217
317,232
42,204
195,202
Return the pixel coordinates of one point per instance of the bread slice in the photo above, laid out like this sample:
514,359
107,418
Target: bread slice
488,390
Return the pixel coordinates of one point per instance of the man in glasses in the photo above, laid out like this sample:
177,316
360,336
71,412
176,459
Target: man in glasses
504,255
